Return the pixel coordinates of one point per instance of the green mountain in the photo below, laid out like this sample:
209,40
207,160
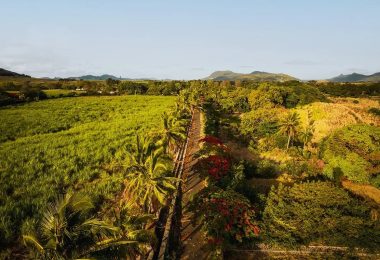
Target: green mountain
7,73
102,77
254,76
356,77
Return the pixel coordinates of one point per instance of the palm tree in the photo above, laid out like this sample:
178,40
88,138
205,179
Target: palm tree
174,132
147,181
183,107
67,231
308,132
131,232
289,126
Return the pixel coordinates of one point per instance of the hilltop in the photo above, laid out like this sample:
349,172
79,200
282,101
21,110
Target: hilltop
356,77
101,77
254,76
8,73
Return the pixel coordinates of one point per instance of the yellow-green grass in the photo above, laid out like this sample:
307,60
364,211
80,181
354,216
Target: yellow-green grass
331,116
364,190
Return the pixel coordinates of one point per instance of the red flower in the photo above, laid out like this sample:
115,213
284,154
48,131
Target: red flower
211,140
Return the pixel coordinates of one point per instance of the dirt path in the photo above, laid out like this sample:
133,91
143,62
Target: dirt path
192,238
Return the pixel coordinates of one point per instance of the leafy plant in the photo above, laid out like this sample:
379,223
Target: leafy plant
226,216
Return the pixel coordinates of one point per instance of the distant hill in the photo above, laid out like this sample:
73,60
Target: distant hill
102,77
254,76
356,77
7,73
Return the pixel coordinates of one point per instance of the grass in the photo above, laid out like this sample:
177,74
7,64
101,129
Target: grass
363,190
51,146
343,112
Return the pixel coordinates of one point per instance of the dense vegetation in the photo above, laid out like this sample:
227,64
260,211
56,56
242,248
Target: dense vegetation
318,212
350,89
276,158
55,146
305,143
353,152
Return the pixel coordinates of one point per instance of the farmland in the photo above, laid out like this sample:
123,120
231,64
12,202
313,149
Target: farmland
52,146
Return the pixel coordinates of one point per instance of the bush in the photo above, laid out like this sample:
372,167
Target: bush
374,111
352,152
260,123
318,212
267,169
227,217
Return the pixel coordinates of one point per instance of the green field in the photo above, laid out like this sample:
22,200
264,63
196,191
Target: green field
51,146
52,93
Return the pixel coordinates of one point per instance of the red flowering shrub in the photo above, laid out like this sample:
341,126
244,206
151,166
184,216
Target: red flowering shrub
218,166
227,216
213,166
214,143
211,140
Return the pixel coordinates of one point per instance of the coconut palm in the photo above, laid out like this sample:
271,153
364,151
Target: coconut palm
131,240
174,132
307,134
67,231
148,182
289,126
182,106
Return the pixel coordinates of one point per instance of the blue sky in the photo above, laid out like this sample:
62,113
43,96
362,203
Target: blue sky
190,39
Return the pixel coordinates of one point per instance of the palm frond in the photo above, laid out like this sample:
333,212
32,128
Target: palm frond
31,240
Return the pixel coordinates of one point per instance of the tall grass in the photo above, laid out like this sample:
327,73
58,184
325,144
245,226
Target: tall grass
52,146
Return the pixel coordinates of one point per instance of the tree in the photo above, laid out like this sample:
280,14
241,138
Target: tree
68,230
260,122
174,132
147,182
307,134
352,151
289,126
28,92
318,212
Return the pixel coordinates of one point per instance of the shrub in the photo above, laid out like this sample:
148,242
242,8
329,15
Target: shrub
352,152
318,212
260,123
375,111
267,169
227,216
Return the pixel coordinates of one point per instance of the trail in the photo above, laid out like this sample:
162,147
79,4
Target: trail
192,238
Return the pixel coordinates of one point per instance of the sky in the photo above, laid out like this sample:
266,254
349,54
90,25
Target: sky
189,39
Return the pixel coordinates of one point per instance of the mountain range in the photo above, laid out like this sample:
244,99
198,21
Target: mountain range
258,76
255,76
101,77
356,77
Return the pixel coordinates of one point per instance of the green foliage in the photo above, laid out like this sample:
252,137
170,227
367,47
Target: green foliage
269,95
350,89
66,144
260,123
352,152
212,119
318,212
132,87
289,126
148,181
375,111
173,132
351,166
69,230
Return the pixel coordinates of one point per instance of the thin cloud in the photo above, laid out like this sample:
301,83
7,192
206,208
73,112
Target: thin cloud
303,63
